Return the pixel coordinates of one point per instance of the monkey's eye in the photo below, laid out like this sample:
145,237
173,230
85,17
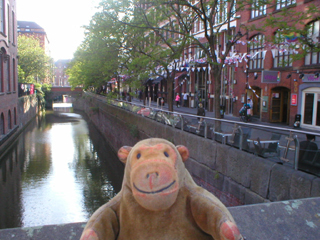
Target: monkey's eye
166,154
138,155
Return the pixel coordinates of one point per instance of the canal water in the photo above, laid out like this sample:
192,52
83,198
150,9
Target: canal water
60,170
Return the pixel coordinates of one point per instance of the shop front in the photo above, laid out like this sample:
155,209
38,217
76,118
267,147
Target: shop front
309,96
310,107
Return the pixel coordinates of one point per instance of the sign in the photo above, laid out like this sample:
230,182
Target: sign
310,78
270,77
294,99
265,103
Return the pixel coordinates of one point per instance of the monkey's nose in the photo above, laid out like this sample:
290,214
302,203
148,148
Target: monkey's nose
152,175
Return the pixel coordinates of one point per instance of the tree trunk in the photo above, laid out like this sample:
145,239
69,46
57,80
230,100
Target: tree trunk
170,96
217,89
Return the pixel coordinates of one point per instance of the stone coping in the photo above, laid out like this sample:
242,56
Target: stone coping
294,219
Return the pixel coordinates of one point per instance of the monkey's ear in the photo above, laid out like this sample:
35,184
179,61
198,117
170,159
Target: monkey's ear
123,153
184,152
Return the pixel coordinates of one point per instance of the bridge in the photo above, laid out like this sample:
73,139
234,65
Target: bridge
269,198
62,94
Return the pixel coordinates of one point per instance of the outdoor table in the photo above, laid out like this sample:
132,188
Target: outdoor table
224,136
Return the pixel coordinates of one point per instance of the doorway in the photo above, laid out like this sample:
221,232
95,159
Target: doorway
311,107
255,95
280,105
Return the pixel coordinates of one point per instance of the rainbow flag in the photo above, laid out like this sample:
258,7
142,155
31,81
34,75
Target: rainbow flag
278,77
292,37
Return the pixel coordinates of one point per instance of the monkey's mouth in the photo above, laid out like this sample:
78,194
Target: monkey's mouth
154,192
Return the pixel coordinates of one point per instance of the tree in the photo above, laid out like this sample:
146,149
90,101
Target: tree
171,23
96,60
149,50
34,64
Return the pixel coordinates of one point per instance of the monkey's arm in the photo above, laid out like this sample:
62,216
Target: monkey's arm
103,224
212,216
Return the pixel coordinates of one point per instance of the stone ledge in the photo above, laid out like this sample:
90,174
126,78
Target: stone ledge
294,220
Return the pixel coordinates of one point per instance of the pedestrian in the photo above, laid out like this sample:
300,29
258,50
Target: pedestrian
200,112
185,99
177,100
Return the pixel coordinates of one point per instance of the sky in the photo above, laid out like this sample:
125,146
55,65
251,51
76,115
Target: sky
61,19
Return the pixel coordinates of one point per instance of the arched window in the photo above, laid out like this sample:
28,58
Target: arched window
313,57
256,52
9,120
1,124
15,116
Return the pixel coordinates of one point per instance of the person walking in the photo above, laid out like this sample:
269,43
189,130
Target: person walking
200,112
185,99
177,100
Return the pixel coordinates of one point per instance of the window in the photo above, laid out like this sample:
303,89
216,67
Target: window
2,19
256,52
2,124
13,28
281,57
313,57
7,22
9,120
284,3
195,25
311,107
15,116
7,61
258,9
2,53
14,86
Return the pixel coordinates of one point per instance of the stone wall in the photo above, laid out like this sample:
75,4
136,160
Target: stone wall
27,109
235,176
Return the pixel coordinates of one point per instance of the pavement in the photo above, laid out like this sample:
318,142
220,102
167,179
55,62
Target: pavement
254,120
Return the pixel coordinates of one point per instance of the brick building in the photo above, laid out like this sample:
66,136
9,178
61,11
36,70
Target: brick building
8,67
60,77
280,89
32,29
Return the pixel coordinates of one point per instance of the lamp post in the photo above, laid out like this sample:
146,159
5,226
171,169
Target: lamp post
247,76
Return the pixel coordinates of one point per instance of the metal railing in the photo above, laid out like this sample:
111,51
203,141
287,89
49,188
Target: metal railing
277,144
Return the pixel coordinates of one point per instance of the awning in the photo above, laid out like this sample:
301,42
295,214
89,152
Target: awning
158,80
180,75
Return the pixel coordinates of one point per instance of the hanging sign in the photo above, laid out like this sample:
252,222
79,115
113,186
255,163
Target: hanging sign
310,78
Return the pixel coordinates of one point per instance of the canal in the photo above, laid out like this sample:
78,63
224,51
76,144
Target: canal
59,170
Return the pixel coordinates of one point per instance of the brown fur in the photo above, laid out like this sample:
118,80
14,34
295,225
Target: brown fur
159,200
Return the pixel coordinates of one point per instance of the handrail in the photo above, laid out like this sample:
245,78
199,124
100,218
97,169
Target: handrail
237,126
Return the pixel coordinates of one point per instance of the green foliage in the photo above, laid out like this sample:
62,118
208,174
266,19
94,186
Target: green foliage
126,38
34,64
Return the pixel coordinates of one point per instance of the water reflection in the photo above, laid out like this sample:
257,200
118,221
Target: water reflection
60,170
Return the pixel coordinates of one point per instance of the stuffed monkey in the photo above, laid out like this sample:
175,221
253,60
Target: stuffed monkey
160,200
